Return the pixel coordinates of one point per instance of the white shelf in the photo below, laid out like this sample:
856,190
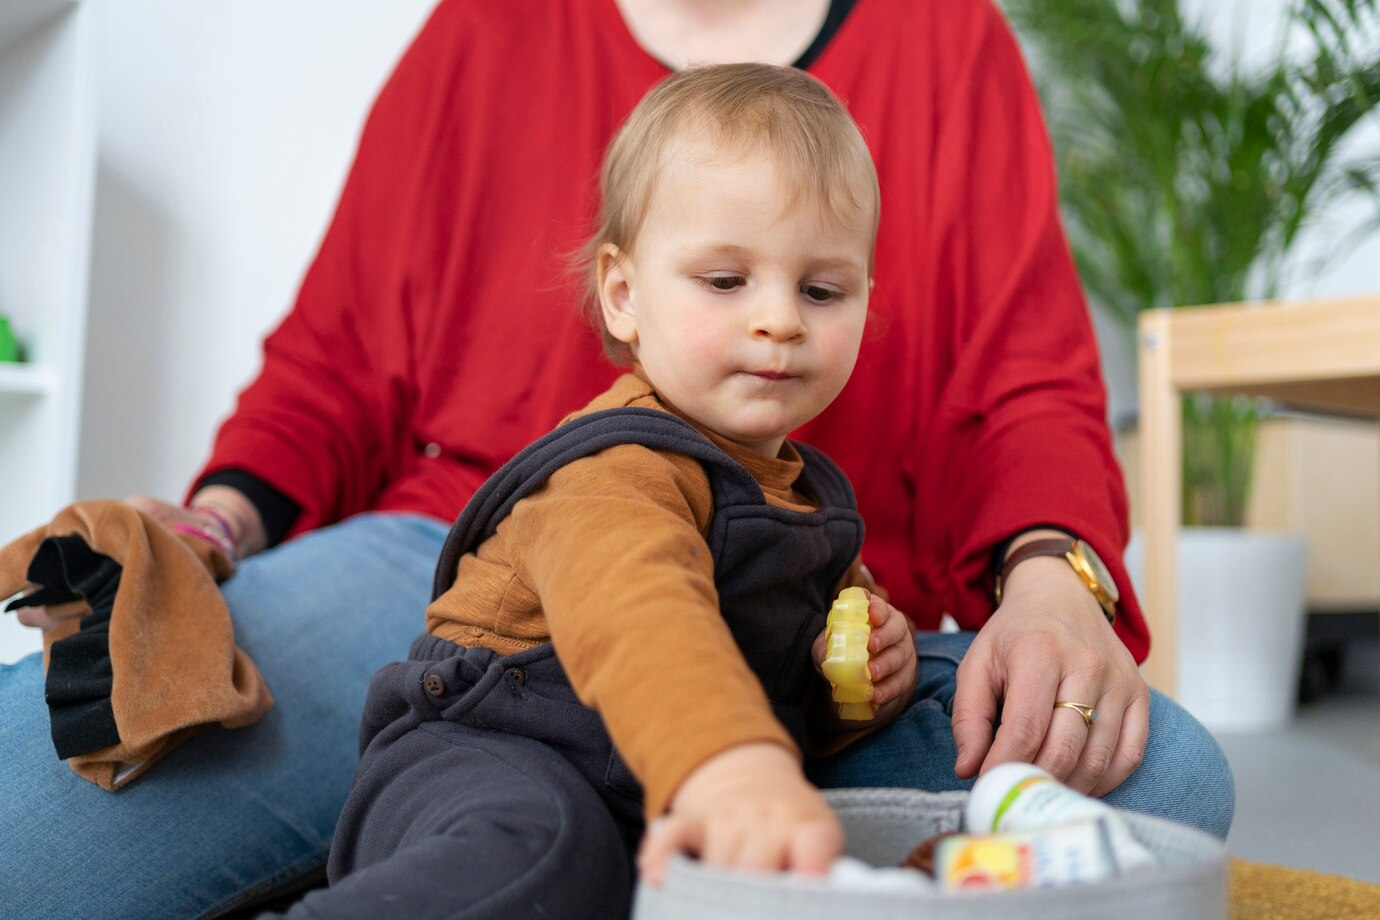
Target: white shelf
24,380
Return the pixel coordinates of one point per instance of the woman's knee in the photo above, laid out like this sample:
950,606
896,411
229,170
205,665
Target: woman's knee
1185,775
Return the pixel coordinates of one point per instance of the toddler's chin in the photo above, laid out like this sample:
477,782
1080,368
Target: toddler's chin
755,435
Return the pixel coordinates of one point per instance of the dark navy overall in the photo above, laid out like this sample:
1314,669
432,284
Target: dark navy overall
485,788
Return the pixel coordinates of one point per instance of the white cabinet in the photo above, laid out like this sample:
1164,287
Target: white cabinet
47,180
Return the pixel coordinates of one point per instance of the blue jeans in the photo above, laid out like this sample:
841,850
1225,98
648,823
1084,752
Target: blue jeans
231,814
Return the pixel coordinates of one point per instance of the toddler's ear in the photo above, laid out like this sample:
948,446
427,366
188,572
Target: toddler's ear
616,293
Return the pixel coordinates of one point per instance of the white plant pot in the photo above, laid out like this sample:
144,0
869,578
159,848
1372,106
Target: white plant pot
1241,624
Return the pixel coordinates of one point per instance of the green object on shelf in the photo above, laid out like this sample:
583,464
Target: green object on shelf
9,345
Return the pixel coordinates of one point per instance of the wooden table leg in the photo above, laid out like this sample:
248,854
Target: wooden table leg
1161,485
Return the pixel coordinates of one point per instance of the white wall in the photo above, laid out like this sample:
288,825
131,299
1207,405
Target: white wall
225,130
226,127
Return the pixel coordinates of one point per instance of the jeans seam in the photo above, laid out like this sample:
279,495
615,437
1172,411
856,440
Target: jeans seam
249,895
947,657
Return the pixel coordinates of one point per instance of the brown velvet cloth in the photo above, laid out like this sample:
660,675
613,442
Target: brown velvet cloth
174,667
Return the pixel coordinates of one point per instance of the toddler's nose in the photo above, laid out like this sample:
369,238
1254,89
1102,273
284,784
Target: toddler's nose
777,317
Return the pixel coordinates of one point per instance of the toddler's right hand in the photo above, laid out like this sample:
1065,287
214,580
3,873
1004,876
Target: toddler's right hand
748,807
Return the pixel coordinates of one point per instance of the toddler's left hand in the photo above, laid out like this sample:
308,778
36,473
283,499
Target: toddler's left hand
891,648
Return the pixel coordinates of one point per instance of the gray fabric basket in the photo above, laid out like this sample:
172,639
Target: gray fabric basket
884,825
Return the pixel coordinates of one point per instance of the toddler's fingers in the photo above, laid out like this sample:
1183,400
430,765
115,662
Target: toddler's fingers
725,844
815,847
889,626
888,661
763,852
664,837
889,687
878,611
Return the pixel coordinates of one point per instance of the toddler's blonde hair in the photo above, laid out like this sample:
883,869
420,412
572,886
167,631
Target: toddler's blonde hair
733,110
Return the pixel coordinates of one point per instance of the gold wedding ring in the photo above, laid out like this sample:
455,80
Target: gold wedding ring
1087,712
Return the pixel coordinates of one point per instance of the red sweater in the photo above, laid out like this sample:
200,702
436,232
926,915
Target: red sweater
435,333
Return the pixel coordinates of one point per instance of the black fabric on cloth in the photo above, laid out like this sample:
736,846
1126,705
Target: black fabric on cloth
80,676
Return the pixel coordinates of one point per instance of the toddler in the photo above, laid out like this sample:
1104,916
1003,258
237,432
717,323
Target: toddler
628,617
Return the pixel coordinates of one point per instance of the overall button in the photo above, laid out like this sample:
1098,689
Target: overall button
434,685
432,450
516,676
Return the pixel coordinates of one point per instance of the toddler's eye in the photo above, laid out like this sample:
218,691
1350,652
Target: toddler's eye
817,294
721,282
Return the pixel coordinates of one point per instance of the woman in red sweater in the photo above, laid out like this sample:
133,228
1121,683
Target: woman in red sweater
436,333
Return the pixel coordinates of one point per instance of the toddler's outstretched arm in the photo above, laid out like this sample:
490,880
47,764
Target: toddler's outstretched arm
747,807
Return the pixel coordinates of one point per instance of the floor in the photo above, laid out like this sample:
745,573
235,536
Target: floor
1309,796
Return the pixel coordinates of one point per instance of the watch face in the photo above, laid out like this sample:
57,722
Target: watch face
1099,571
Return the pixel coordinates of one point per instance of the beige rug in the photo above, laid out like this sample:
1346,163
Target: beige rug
1263,892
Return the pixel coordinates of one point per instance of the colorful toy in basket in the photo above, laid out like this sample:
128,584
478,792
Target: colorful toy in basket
846,657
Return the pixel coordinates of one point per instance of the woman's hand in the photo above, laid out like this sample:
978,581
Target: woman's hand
750,808
166,513
1048,642
234,511
221,508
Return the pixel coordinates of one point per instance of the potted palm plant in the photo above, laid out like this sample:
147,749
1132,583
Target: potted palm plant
1186,178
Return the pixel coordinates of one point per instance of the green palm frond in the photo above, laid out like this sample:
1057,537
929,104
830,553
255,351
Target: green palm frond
1186,177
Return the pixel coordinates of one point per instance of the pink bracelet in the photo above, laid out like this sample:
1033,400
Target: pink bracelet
220,543
218,518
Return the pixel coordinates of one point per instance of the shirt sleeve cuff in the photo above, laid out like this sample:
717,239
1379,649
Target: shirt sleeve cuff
276,510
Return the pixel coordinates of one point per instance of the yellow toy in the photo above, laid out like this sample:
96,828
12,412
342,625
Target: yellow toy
846,657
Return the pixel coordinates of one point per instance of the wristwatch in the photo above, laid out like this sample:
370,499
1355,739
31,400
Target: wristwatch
1084,560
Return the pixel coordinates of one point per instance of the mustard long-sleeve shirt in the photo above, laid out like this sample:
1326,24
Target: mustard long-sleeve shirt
609,562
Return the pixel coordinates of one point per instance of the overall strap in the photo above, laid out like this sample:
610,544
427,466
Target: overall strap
823,480
575,440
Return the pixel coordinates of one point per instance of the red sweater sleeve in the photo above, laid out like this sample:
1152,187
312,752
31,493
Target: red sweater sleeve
1023,414
326,420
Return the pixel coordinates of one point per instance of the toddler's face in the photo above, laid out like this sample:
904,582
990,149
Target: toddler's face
744,307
